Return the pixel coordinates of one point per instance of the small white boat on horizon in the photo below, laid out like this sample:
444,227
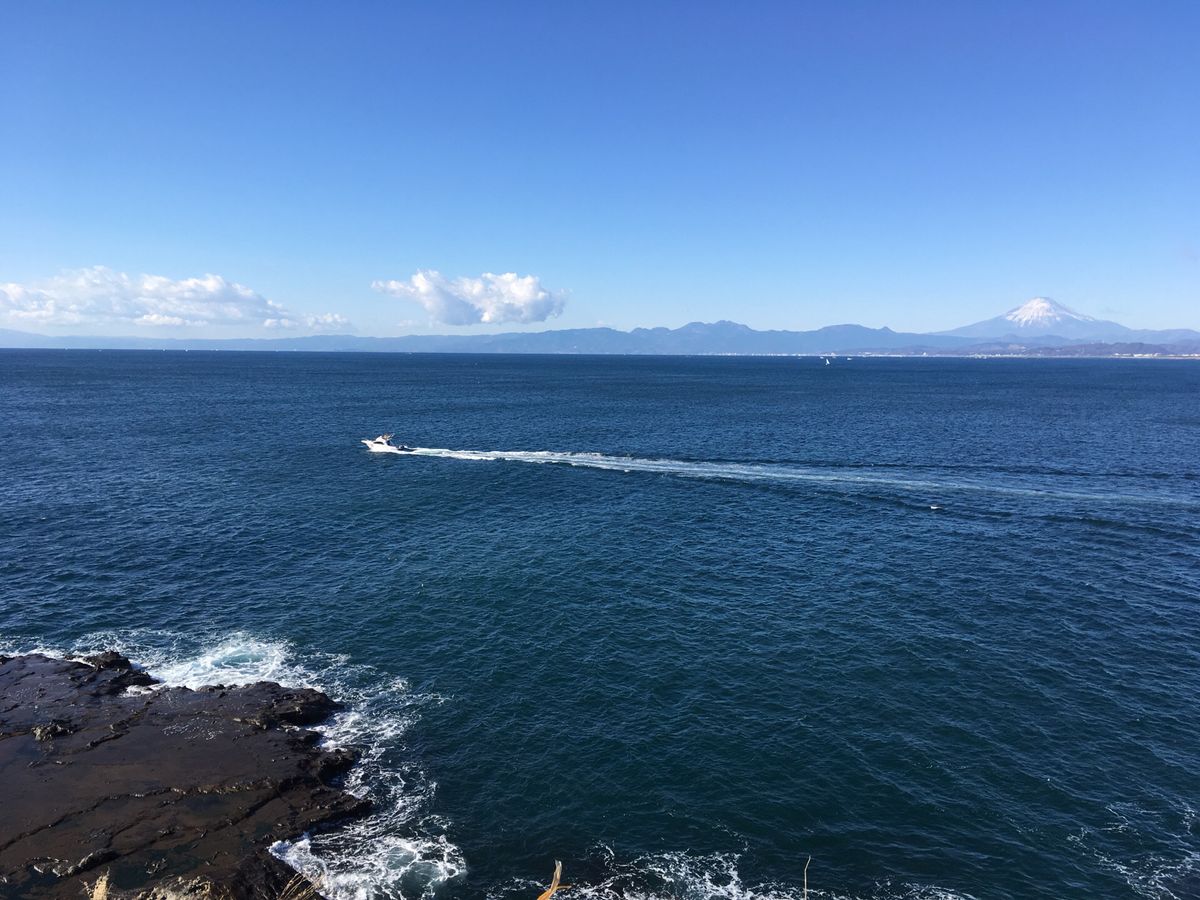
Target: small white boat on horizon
383,444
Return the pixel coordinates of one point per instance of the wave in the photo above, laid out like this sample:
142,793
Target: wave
1155,875
687,876
401,851
396,850
758,472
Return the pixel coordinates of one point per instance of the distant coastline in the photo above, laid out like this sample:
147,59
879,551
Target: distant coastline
695,339
1033,353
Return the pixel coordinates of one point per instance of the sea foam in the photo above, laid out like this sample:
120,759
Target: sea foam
680,875
398,849
401,851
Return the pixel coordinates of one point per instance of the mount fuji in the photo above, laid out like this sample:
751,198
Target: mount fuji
1042,317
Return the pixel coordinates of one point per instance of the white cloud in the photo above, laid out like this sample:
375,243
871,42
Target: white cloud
327,322
98,296
489,298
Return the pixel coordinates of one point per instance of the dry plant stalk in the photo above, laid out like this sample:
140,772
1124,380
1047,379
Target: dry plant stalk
554,885
301,888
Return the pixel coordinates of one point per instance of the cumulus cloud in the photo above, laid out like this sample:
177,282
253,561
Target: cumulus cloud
468,301
98,296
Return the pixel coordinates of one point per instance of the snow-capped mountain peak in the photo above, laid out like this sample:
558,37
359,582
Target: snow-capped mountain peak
1042,311
1042,318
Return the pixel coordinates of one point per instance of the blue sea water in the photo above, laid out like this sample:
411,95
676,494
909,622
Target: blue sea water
681,623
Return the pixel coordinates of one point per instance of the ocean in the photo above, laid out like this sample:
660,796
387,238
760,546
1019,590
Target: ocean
681,623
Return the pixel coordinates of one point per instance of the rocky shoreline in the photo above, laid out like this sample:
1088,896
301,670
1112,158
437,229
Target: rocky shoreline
164,792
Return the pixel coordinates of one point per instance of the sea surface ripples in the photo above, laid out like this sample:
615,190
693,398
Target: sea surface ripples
930,622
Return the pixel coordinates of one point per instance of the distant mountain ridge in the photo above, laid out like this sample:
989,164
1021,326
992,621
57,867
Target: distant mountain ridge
694,338
1040,323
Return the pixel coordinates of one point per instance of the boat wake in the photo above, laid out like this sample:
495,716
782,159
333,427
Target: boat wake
840,478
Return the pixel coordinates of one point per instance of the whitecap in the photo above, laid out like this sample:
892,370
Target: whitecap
680,875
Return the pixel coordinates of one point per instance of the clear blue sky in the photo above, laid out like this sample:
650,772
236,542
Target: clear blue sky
914,164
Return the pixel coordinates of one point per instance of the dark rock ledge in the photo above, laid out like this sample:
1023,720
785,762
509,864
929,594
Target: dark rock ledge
170,793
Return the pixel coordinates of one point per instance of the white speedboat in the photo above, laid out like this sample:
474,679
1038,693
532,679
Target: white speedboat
383,444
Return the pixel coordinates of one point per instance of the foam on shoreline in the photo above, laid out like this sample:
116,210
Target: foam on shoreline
680,875
398,849
401,850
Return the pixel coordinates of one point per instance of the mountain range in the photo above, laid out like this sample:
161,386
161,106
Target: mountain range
1038,326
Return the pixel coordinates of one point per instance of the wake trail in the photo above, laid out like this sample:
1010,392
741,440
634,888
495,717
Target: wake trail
767,472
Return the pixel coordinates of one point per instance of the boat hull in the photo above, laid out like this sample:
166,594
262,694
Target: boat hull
376,447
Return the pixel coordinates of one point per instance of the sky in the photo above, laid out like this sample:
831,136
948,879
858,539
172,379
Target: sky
252,169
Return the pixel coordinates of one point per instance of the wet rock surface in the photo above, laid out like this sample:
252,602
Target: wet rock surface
170,791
